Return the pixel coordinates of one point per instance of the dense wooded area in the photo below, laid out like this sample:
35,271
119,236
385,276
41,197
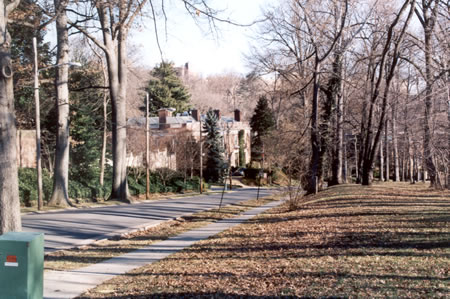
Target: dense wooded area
357,91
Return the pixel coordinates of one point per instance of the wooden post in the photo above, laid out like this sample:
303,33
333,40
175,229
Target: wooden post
38,125
147,146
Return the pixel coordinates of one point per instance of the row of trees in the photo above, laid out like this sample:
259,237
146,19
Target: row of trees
370,81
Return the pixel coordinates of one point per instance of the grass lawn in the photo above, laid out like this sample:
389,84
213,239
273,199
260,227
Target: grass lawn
387,240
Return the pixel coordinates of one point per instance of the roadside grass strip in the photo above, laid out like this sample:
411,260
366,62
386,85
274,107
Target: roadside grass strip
387,240
70,283
99,251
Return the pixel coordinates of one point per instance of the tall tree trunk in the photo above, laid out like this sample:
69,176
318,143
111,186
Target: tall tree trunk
448,136
388,154
381,162
345,164
119,185
118,84
315,172
416,166
395,143
411,167
336,90
105,124
60,194
371,143
9,187
357,166
447,81
428,21
104,139
115,50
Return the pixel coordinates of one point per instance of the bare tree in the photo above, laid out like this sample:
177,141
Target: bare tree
9,187
320,53
426,12
370,140
115,20
395,139
60,194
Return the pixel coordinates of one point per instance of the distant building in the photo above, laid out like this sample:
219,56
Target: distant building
26,148
171,137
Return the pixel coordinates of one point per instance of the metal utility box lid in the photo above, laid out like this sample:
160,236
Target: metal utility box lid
21,265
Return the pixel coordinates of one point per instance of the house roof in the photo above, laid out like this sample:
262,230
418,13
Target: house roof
173,121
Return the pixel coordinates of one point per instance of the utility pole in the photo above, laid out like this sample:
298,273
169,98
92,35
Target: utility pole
201,153
147,146
229,156
38,125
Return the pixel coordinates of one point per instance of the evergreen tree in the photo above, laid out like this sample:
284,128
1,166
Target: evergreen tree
262,123
166,90
215,156
86,127
26,20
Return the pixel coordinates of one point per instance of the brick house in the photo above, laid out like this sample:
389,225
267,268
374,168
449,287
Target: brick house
174,139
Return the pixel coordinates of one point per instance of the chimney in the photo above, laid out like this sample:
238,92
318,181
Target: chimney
194,114
217,113
237,115
186,69
163,114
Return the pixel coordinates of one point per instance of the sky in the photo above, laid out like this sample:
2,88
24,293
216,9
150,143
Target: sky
185,41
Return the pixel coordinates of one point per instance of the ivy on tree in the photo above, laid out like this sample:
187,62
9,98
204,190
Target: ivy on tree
262,123
215,152
166,90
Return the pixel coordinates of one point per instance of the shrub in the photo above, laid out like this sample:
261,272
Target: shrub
161,181
28,187
251,173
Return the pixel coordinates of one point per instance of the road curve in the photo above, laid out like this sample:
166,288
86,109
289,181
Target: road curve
75,227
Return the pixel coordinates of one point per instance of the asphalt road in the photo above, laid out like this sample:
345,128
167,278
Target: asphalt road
76,227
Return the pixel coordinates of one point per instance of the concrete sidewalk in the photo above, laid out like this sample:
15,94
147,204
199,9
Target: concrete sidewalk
71,228
69,284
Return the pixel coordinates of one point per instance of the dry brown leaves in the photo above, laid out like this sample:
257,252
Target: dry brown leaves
103,250
390,240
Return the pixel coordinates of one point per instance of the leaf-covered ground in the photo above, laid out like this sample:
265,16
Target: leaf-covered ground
390,240
79,257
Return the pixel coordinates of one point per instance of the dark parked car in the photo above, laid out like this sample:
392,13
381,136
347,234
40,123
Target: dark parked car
238,172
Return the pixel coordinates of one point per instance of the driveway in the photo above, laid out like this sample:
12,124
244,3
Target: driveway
70,228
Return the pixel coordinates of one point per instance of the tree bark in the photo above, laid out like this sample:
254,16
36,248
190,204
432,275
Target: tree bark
395,143
60,196
9,187
448,136
381,162
116,55
428,21
105,127
388,154
315,146
336,84
118,98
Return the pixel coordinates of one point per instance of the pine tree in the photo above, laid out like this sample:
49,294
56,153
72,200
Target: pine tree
166,90
262,123
215,156
22,56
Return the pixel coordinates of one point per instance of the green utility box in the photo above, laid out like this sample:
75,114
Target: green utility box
21,265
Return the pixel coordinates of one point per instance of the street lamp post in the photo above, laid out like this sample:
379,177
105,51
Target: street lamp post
38,118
